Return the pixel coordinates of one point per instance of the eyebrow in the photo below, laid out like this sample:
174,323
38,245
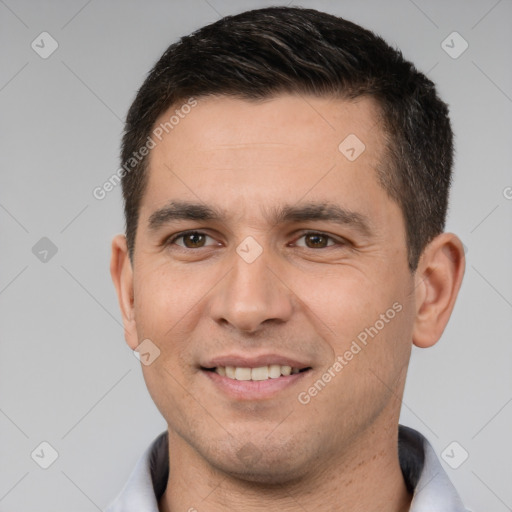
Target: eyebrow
322,211
184,210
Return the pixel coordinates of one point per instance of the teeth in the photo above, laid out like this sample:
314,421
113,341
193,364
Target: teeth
286,370
260,373
272,371
242,373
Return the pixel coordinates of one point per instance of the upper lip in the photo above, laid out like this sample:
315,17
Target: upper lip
245,361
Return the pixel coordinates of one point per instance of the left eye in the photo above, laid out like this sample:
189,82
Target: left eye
314,240
191,240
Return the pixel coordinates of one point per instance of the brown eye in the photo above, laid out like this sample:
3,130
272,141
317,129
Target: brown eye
191,240
314,240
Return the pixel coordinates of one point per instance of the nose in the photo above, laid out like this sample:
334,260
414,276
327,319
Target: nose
252,296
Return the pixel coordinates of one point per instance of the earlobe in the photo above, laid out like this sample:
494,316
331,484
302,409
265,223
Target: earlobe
122,277
438,279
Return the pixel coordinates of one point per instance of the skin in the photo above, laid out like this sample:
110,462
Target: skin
299,298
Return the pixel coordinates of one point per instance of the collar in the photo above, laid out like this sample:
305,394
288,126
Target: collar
423,475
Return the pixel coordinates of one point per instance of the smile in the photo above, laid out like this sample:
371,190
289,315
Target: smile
272,371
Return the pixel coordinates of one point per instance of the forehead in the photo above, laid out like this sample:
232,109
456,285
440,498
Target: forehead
307,122
287,145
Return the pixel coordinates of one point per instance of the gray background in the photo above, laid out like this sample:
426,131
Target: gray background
66,374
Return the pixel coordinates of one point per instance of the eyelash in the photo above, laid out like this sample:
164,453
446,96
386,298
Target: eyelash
172,239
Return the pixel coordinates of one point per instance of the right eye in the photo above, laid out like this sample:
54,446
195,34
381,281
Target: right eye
190,240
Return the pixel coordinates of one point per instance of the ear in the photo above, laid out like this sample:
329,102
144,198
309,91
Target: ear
437,283
122,276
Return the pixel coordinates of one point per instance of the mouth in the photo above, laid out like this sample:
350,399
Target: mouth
243,378
260,373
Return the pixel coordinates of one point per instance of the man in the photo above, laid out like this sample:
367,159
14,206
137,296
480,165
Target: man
286,179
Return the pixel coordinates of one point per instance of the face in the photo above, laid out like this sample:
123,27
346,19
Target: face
262,243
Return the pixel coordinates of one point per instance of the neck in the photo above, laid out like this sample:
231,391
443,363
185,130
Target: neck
367,478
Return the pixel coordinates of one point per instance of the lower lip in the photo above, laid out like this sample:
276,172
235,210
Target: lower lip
253,389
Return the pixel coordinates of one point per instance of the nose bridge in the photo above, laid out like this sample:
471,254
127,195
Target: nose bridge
251,294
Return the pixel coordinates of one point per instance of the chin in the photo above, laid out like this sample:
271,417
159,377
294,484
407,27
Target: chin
265,475
266,466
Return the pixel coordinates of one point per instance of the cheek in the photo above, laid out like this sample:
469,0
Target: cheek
166,311
371,319
166,300
346,299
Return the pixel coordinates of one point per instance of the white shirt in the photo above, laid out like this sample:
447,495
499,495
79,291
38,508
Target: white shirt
423,474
